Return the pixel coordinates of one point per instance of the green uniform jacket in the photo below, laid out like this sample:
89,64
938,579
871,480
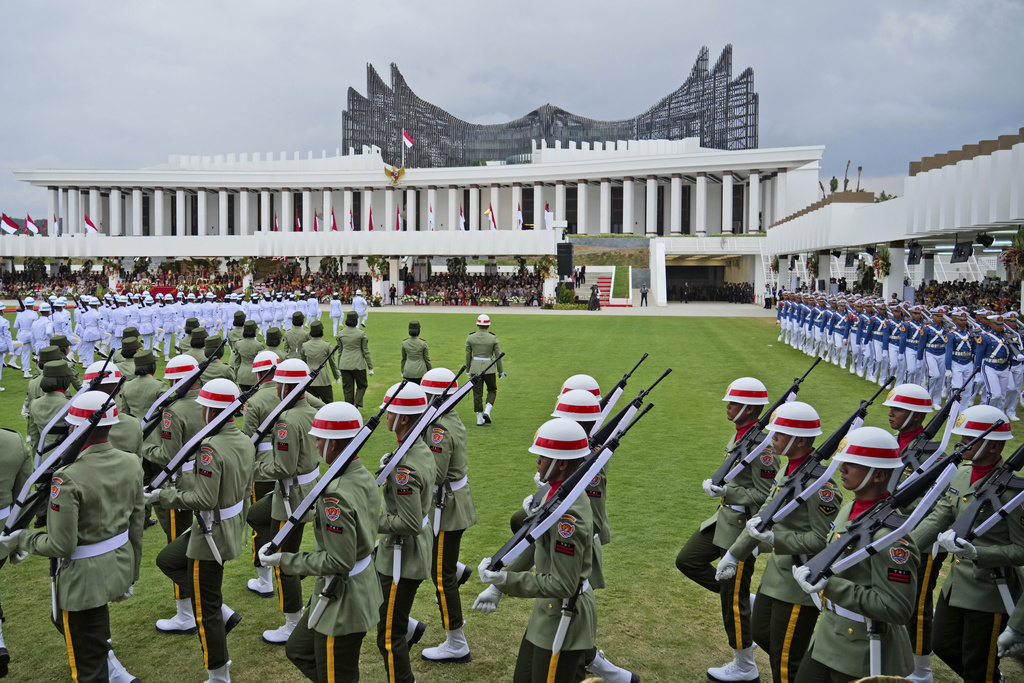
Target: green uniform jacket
446,439
93,499
277,349
882,588
220,479
40,412
313,353
355,350
234,335
749,491
126,366
33,391
126,435
802,532
215,370
596,492
415,358
972,583
407,513
292,454
344,532
179,422
563,557
141,393
481,347
245,350
293,341
255,411
15,468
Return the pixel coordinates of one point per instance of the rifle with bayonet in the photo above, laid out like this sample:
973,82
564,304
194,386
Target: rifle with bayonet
610,398
989,492
177,391
810,475
753,441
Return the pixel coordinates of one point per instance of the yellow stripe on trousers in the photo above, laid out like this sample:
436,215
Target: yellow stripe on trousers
388,623
173,514
440,581
787,643
71,649
553,667
923,585
277,573
330,659
254,548
990,668
199,613
736,623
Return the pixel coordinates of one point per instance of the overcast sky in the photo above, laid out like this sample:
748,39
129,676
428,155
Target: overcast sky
105,84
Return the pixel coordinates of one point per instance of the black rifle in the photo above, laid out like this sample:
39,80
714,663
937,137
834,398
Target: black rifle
610,398
917,450
178,391
988,492
737,455
21,303
810,475
608,428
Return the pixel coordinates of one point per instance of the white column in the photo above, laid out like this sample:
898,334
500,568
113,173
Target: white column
52,197
559,200
307,209
581,207
202,212
780,195
325,223
517,205
116,221
94,208
474,207
222,212
893,283
64,215
726,202
676,211
493,205
365,203
628,221
286,219
432,206
159,227
410,209
606,206
347,204
538,207
266,219
651,221
453,207
702,203
136,212
767,192
179,211
76,225
754,201
389,208
244,198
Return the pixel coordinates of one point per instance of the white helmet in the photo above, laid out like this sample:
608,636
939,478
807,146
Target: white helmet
748,391
338,420
291,371
871,447
44,307
265,360
412,400
976,419
29,301
561,439
483,320
585,382
437,380
912,397
113,374
179,366
795,418
579,405
218,393
359,292
83,405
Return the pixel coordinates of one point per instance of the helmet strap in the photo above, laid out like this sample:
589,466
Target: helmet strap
547,475
789,445
907,421
867,478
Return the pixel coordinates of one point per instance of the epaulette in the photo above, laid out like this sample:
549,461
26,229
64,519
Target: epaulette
491,333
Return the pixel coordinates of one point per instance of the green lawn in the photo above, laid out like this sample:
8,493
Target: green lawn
651,619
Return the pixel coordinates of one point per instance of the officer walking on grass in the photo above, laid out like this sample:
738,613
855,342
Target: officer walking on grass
354,361
481,348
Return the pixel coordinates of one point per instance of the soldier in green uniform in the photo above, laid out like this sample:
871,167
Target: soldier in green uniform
783,616
143,391
126,364
62,343
292,462
481,348
354,360
415,355
874,595
94,530
216,368
295,337
15,468
972,609
745,398
243,353
236,333
273,339
314,352
47,354
217,490
345,530
403,552
185,340
55,382
116,356
197,344
553,571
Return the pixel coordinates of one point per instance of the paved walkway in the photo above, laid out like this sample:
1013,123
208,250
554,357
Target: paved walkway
703,309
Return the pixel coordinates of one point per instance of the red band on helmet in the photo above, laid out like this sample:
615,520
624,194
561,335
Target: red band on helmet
913,401
797,424
180,369
407,401
887,453
210,396
744,393
595,392
569,408
336,424
263,363
561,445
93,375
290,373
85,412
982,426
436,384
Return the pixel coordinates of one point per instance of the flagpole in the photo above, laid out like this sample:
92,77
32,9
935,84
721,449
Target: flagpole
401,143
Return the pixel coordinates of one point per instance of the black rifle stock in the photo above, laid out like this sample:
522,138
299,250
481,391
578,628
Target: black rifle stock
988,492
915,450
620,386
608,428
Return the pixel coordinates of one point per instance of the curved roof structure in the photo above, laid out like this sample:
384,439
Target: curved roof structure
710,105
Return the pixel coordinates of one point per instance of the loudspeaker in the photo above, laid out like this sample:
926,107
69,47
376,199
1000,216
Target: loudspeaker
850,259
961,252
564,256
914,253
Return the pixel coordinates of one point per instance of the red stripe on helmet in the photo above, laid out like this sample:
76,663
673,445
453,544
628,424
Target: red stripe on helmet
86,412
336,424
595,392
569,408
437,384
982,426
210,396
888,453
262,363
745,393
290,373
561,445
912,400
407,401
797,424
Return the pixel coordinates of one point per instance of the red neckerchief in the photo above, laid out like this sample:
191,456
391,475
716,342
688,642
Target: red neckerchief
905,438
554,487
793,464
979,472
743,429
860,506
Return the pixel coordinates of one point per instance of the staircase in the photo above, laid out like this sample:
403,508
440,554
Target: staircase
604,289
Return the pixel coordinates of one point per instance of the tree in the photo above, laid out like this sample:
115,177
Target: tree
833,184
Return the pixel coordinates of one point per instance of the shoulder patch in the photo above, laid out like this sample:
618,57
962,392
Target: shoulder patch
595,482
282,431
402,476
899,554
167,421
55,486
768,459
205,455
827,509
566,526
437,435
332,509
899,575
826,494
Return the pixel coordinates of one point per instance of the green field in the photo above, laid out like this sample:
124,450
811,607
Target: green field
651,619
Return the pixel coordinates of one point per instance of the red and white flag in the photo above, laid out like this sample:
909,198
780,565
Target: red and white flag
298,223
316,222
430,219
334,223
462,219
54,227
30,225
8,225
407,139
490,213
549,217
89,227
398,221
351,221
371,219
519,220
275,222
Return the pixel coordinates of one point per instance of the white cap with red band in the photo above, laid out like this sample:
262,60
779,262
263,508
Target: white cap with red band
435,381
92,372
795,418
579,405
265,360
912,397
483,320
83,405
291,371
748,391
338,420
179,366
585,382
218,393
976,419
561,439
412,400
870,447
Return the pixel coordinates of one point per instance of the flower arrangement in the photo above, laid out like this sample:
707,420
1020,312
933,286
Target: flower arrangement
376,301
376,264
775,264
812,266
1013,257
882,263
545,266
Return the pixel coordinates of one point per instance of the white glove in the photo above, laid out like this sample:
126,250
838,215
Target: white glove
384,459
11,540
1010,643
528,504
152,497
713,491
726,568
538,481
801,574
127,594
504,374
24,412
487,576
18,556
267,558
949,374
766,536
949,541
487,601
900,358
371,373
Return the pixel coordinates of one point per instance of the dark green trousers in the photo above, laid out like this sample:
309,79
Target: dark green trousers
491,380
393,625
207,578
920,625
324,659
784,631
173,562
353,384
813,671
324,392
446,582
966,641
86,633
289,587
174,523
534,664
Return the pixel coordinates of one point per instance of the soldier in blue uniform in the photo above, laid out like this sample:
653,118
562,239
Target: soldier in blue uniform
934,357
1016,344
993,355
959,359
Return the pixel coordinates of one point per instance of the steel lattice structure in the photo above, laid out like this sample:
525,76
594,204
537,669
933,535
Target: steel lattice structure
711,105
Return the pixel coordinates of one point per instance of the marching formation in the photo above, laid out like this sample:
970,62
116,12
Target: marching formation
99,457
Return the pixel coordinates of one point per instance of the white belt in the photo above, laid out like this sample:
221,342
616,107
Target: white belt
233,511
456,485
843,612
737,508
308,477
481,357
360,566
5,513
263,446
189,466
83,552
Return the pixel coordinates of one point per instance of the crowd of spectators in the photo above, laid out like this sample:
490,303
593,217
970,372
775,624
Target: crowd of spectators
468,290
998,295
732,292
